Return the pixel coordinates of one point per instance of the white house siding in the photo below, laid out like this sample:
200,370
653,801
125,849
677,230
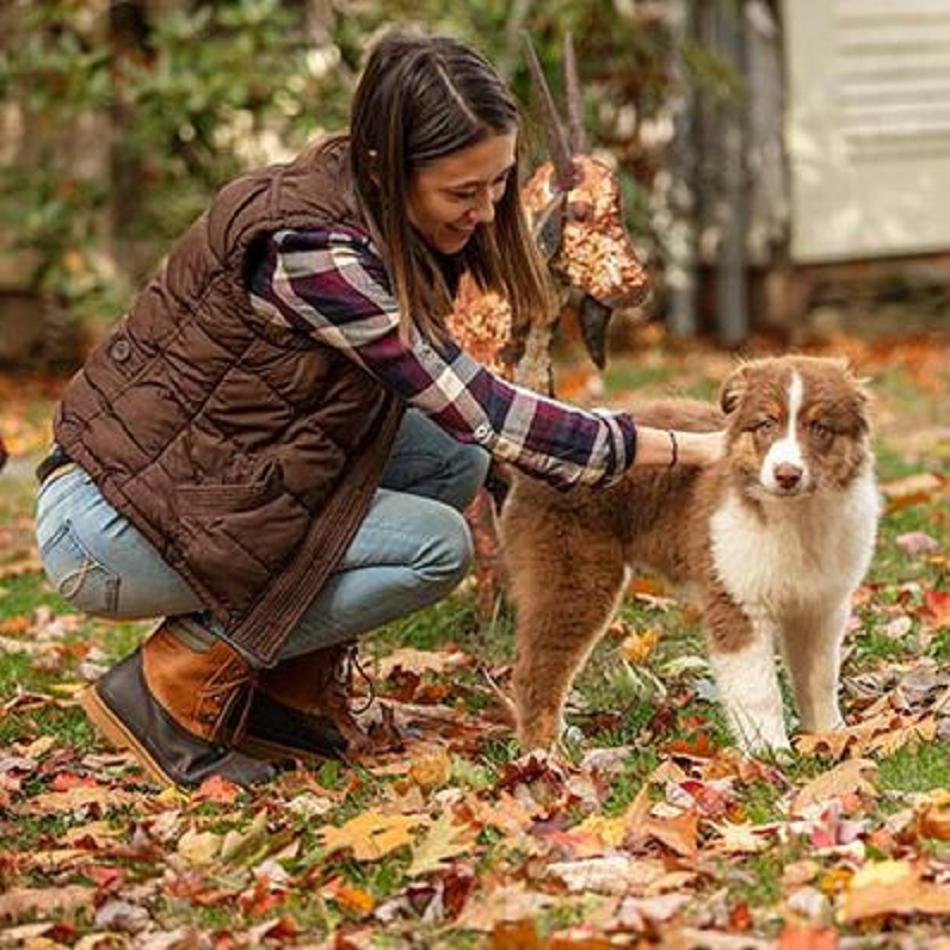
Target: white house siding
868,127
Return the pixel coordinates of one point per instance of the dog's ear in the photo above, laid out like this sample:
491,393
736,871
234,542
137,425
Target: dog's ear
733,389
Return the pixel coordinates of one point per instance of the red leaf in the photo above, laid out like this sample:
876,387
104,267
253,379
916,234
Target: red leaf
64,781
105,878
739,917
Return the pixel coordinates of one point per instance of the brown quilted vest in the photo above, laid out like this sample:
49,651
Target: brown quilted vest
245,451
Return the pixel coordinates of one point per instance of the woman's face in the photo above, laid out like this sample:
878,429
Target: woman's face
452,195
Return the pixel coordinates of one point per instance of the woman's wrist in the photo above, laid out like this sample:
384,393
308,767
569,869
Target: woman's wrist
674,448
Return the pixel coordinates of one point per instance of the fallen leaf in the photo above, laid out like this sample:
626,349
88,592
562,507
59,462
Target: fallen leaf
199,847
237,845
511,902
217,789
444,839
801,936
855,775
936,609
612,874
739,839
916,542
515,935
892,887
421,661
371,835
25,901
102,797
934,819
431,768
638,646
354,899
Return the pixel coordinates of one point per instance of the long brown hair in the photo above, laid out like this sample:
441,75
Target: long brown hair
421,98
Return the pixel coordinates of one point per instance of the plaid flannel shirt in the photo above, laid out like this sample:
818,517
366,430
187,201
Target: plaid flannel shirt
332,284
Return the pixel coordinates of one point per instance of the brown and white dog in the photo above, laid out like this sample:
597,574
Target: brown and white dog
771,542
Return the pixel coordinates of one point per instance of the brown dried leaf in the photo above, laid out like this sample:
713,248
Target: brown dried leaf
892,887
855,775
25,901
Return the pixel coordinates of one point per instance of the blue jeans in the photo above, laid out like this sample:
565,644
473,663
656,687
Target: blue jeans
411,549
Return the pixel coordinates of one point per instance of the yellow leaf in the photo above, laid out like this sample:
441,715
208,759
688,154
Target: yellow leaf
371,835
445,839
881,872
610,832
892,887
431,768
199,847
637,647
739,838
39,747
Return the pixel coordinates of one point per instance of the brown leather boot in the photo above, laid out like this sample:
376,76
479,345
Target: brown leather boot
301,707
179,703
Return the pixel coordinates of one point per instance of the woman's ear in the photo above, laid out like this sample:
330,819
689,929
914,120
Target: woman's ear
734,389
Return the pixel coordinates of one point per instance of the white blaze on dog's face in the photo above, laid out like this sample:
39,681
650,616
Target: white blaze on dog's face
796,425
784,470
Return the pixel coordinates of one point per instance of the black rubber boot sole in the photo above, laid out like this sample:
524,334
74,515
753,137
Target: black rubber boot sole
129,717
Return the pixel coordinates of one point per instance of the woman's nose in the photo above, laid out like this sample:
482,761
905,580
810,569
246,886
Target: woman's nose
485,210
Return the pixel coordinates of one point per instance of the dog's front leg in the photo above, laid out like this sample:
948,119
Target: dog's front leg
812,647
742,655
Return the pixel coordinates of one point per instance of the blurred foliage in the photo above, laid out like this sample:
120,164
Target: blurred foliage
132,113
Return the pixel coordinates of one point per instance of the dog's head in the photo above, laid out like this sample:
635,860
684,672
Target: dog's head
796,425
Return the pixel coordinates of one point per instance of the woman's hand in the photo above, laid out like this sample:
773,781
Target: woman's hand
700,448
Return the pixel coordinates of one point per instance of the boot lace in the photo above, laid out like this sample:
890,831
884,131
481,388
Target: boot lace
230,695
343,676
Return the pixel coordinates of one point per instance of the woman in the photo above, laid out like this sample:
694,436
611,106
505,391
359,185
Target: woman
274,447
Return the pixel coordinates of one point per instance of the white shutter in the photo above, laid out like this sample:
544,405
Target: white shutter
868,126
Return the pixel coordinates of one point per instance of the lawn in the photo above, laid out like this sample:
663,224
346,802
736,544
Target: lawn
647,827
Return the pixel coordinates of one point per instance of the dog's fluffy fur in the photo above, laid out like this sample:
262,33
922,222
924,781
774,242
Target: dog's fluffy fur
771,542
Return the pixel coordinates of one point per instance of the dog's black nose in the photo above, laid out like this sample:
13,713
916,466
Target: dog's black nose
787,475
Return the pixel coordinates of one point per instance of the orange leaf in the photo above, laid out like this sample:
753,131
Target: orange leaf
937,608
802,936
14,627
515,935
354,899
217,789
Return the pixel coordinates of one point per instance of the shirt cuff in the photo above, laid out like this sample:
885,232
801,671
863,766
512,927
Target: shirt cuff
623,444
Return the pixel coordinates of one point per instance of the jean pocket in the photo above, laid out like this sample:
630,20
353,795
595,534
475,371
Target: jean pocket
77,576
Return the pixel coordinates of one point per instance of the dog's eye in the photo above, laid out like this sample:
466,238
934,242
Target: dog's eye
820,429
765,425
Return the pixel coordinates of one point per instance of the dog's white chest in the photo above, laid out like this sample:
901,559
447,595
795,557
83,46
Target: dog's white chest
811,551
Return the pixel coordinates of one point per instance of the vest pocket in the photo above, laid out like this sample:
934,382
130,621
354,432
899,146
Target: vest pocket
219,499
77,576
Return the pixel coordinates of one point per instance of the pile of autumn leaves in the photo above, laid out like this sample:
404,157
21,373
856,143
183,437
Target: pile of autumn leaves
466,846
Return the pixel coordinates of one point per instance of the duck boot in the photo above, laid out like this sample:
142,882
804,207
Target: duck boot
301,707
179,703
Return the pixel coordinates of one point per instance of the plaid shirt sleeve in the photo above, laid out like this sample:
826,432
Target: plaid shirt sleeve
331,284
